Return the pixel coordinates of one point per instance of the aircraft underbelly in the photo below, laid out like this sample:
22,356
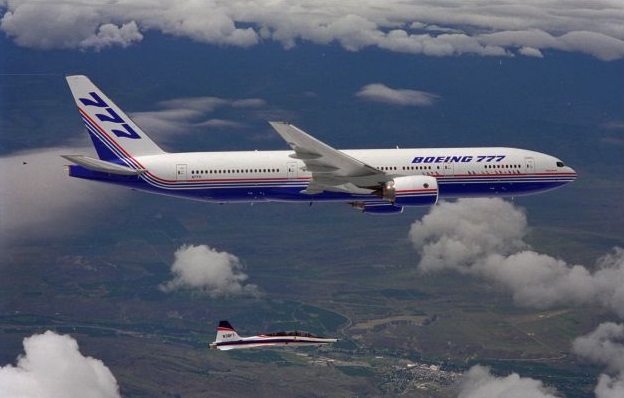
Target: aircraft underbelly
495,188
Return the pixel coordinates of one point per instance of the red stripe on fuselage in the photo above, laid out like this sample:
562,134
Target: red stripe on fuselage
417,191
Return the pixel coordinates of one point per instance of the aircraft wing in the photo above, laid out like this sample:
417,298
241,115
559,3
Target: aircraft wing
332,170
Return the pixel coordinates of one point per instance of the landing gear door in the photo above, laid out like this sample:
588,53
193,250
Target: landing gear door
291,169
529,165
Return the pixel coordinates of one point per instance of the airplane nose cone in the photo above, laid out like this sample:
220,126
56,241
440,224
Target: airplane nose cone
570,173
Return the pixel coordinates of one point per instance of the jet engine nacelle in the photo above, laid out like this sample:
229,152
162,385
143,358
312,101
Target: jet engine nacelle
411,191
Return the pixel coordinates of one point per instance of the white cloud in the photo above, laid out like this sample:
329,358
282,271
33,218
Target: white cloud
221,124
597,44
209,271
459,234
605,346
210,104
200,104
38,198
610,387
167,121
530,52
491,27
380,93
187,114
484,238
109,35
478,382
52,367
249,103
51,23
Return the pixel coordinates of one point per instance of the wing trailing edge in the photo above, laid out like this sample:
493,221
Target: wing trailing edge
332,170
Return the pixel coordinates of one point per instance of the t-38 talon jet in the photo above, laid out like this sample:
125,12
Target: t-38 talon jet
228,339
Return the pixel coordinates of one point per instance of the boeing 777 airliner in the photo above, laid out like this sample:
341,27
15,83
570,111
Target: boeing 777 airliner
377,181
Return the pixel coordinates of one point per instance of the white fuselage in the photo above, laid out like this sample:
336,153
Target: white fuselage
273,175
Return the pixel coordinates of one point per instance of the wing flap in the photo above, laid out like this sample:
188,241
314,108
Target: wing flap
303,155
332,170
320,168
313,151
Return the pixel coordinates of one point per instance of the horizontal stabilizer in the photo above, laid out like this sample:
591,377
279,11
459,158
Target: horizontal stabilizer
102,166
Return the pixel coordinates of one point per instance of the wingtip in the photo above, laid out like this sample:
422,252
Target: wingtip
280,127
74,77
278,122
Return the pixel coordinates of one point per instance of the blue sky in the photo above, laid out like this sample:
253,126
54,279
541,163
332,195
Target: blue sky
209,75
347,74
487,63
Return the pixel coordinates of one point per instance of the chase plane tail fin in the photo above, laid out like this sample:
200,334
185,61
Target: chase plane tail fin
226,332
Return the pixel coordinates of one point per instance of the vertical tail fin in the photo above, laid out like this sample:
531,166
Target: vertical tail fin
225,332
115,136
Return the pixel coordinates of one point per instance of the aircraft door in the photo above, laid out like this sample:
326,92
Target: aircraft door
180,172
529,164
448,169
291,169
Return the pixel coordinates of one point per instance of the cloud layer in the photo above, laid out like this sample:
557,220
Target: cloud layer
187,114
605,346
378,92
52,367
38,198
484,238
209,271
502,27
478,382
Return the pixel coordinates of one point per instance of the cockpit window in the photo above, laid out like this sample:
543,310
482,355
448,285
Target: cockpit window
560,164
